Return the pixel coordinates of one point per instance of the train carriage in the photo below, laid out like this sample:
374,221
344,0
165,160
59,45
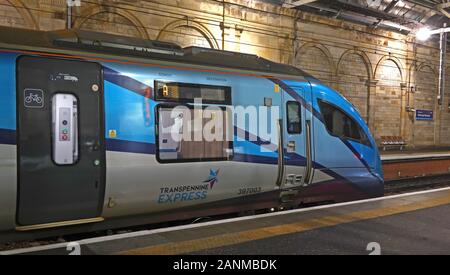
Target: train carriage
89,125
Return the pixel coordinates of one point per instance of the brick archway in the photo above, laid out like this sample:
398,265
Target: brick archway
317,60
354,73
24,13
397,62
198,27
90,12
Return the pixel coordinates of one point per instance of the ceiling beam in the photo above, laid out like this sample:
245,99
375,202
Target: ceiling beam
296,3
425,4
391,5
442,7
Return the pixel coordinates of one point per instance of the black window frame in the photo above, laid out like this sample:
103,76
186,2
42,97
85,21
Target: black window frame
364,136
288,120
172,161
226,89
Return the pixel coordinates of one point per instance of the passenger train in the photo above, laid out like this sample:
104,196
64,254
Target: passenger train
88,124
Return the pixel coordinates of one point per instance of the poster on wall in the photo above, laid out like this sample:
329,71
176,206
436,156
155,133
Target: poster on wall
424,115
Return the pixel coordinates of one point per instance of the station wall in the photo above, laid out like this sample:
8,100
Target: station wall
382,73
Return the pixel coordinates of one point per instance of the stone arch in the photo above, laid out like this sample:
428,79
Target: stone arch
354,73
134,28
396,61
425,65
425,98
388,98
169,34
364,57
24,13
317,60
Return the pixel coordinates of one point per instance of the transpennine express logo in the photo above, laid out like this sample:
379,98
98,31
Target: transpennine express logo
186,193
213,178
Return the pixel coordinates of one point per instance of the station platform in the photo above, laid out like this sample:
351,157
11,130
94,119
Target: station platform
416,223
412,164
399,156
414,155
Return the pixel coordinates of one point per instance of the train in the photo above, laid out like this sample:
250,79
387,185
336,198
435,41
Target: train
100,131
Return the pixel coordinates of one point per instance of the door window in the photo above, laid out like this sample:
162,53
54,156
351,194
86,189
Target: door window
294,117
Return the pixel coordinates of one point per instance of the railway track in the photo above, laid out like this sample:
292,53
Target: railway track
393,187
416,184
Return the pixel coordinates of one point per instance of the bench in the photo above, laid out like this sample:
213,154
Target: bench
393,141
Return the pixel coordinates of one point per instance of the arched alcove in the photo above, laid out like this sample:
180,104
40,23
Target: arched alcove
17,15
316,59
354,74
388,98
110,20
425,98
188,33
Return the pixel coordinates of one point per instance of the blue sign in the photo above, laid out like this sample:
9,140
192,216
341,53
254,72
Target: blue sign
424,115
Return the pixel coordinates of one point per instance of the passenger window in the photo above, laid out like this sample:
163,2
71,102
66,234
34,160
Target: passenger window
294,117
341,125
188,134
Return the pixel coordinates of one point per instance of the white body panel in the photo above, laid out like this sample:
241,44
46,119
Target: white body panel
134,182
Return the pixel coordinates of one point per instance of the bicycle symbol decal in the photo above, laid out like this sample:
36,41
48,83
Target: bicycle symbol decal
34,98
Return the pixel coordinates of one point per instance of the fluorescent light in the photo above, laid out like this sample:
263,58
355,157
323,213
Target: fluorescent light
423,34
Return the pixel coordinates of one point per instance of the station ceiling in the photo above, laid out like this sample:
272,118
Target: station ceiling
398,15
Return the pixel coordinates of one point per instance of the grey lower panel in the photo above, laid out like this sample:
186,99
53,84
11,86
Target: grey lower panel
135,183
260,201
8,186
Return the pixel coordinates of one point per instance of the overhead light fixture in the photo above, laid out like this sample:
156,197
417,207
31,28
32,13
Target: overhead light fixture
423,34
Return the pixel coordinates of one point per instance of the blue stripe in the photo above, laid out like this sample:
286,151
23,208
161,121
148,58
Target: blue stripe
357,154
254,159
297,97
130,146
168,150
8,137
256,140
292,159
126,82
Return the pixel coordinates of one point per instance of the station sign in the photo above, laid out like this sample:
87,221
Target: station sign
424,115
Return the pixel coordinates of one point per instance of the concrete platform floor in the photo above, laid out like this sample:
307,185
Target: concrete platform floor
417,223
412,233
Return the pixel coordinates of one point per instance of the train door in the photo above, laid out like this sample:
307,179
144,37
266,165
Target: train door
61,150
298,157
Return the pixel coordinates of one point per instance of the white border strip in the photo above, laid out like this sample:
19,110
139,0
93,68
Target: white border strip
192,226
414,156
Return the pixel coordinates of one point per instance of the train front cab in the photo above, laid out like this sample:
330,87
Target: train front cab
330,154
344,146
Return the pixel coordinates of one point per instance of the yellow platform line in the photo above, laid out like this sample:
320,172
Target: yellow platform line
174,248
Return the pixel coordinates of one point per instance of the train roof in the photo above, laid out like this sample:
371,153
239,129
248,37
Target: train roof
135,47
